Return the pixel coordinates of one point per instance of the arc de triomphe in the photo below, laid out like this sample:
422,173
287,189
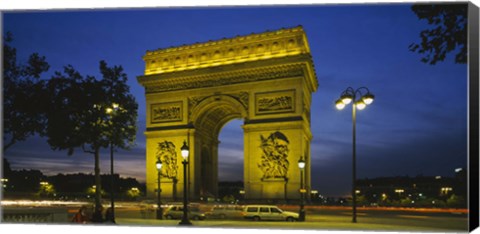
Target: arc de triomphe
192,91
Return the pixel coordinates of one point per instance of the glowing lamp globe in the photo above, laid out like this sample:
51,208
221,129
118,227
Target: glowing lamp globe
185,150
368,98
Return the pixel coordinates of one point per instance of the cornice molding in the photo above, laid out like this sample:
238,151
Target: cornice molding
276,44
294,66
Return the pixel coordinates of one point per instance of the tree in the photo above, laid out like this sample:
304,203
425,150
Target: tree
133,193
23,95
80,114
406,202
456,201
6,169
46,189
448,32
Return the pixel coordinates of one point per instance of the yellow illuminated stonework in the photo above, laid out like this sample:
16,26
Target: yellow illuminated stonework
192,91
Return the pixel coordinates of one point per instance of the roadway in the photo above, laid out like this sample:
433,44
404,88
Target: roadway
326,218
317,218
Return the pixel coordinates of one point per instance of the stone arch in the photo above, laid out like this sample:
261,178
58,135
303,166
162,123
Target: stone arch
208,118
218,110
267,83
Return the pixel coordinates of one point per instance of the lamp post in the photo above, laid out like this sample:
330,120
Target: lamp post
242,194
399,191
360,101
301,165
111,111
313,195
159,190
185,152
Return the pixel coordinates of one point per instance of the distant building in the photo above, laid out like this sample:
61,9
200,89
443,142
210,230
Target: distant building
414,191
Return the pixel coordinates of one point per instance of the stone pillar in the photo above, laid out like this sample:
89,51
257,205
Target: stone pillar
166,144
272,151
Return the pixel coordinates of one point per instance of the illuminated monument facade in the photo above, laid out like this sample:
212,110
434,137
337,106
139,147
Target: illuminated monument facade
192,91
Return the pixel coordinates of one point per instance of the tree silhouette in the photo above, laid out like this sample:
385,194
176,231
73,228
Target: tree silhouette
6,169
448,32
23,95
81,114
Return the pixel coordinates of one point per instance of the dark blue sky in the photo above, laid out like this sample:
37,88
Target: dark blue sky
416,125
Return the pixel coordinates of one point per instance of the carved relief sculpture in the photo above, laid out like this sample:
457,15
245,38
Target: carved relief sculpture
171,82
167,154
166,112
274,161
275,102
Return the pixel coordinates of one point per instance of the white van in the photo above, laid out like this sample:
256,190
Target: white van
268,212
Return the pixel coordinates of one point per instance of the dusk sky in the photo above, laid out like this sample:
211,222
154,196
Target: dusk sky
417,124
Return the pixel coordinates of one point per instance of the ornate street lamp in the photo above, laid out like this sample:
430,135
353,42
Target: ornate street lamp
185,152
360,101
301,165
159,190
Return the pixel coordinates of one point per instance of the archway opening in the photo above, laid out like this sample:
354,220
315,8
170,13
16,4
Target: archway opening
218,119
231,162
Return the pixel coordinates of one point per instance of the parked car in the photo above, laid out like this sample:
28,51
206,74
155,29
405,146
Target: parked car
268,212
225,212
176,212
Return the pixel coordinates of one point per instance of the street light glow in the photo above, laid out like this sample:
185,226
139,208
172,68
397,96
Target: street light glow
346,99
185,150
360,105
159,164
445,190
301,163
368,98
339,104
